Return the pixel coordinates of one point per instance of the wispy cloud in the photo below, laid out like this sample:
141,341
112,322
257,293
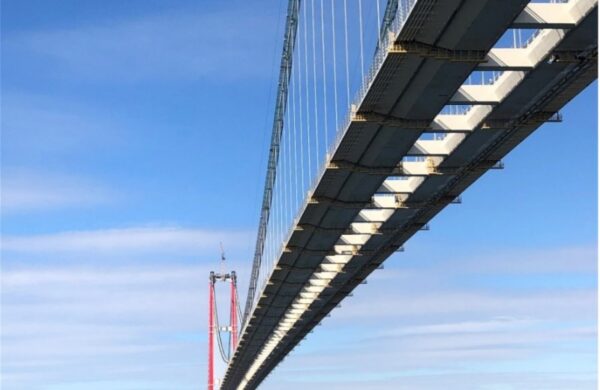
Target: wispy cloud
530,261
43,123
127,240
426,350
495,324
65,324
43,138
27,191
185,44
428,326
102,319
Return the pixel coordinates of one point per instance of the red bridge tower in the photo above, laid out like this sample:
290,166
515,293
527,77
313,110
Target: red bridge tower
214,327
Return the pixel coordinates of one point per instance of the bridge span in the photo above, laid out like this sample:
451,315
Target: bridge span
452,87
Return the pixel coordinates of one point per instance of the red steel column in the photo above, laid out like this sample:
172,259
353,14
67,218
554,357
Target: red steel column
211,331
233,315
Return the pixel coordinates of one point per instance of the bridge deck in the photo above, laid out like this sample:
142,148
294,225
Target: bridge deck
371,197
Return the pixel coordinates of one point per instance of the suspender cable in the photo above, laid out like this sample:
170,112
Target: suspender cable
284,179
222,351
289,161
346,53
335,85
239,308
325,116
362,54
281,204
377,24
280,191
275,222
296,168
293,166
280,106
315,98
308,149
300,99
301,112
279,219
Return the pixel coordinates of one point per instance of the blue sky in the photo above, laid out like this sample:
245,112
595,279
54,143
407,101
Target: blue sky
134,140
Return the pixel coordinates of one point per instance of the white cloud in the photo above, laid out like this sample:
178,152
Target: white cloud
495,324
64,324
101,323
34,126
494,352
533,261
126,241
432,324
405,267
27,191
419,303
143,276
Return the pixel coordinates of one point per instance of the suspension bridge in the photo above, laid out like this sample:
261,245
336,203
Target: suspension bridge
386,111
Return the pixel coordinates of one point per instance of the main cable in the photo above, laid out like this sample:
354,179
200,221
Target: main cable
280,107
224,355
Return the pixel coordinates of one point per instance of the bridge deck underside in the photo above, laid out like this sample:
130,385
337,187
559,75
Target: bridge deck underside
415,88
